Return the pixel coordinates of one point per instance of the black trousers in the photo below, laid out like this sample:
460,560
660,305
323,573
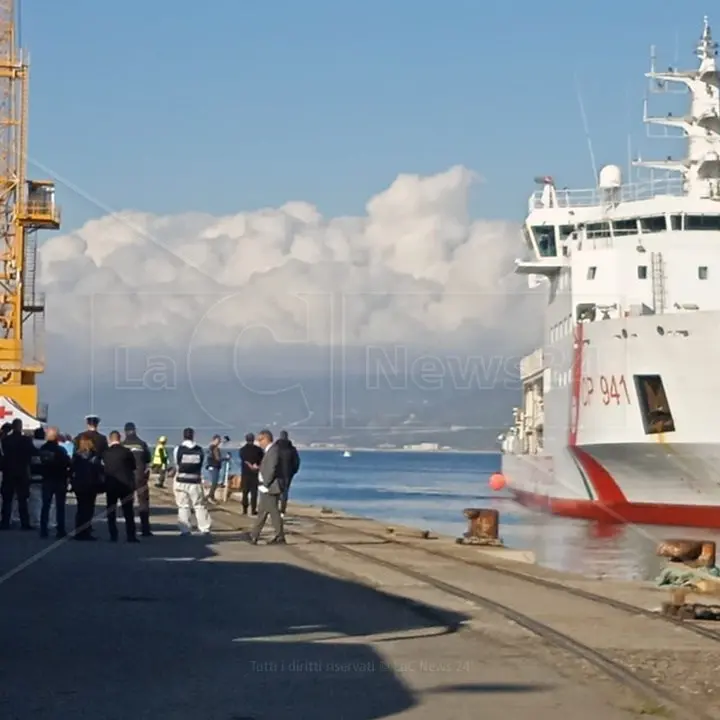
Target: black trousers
15,486
85,512
143,493
249,486
117,493
284,498
53,490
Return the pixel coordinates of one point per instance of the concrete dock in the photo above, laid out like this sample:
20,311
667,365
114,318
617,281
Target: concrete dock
214,628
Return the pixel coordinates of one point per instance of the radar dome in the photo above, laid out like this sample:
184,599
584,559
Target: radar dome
610,177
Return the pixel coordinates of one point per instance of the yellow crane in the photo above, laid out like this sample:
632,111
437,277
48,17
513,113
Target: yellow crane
26,206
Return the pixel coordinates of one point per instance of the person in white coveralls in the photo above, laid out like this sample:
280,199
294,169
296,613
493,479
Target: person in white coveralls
187,486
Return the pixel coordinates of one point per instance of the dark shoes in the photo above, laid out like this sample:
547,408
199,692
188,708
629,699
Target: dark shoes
275,541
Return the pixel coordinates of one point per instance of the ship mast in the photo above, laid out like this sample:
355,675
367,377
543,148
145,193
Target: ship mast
701,125
25,207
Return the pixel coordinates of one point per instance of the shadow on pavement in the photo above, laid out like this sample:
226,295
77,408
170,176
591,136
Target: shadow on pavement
170,629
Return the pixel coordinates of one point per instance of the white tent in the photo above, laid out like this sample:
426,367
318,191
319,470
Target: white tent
10,410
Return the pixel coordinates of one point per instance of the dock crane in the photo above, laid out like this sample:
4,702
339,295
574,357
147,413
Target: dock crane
26,206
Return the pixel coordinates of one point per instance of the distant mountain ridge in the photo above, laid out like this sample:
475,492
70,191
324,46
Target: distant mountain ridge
392,398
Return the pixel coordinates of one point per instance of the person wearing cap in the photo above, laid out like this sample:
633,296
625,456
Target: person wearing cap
160,461
188,487
88,476
141,453
91,432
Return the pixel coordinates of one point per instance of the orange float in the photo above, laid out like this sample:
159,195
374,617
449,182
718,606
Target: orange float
497,481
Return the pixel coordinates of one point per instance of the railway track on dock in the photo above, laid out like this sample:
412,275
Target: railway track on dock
534,580
658,697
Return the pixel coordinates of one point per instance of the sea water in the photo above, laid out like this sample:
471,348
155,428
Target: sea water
430,490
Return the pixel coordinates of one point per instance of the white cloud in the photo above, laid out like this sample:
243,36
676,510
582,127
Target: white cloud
414,268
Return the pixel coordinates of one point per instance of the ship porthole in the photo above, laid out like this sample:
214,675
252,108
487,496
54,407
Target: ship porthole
660,330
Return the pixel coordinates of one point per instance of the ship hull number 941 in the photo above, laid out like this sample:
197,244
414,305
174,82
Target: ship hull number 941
607,389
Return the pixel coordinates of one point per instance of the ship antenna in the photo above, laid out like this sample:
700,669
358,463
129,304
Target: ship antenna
586,128
629,137
707,49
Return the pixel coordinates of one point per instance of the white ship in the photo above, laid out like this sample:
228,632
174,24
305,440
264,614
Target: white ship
621,413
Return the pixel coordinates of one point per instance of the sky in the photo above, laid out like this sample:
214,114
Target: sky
171,106
242,182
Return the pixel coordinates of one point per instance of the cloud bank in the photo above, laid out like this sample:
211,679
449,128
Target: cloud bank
273,286
414,267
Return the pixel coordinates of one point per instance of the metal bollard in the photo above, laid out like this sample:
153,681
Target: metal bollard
483,526
698,553
707,555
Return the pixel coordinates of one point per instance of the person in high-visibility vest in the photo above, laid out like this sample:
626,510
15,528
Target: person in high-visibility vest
160,460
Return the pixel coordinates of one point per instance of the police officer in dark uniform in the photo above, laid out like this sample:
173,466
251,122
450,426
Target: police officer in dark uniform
18,451
141,453
88,477
91,432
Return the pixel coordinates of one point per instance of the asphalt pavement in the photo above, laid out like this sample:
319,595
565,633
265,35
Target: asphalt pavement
211,628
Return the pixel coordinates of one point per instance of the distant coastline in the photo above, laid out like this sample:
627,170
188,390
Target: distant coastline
440,451
407,451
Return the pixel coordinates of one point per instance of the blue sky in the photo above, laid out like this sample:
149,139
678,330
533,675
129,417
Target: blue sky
229,105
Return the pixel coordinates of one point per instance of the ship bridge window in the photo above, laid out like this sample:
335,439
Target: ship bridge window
545,239
654,406
702,272
702,222
597,230
676,222
567,232
653,224
625,227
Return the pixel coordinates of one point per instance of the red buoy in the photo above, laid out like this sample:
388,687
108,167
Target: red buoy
497,481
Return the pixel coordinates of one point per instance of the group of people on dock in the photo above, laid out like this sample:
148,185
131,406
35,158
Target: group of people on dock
47,465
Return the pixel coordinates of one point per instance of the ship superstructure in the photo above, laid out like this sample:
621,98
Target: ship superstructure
618,414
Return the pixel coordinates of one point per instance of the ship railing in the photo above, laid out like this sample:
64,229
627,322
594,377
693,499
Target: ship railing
626,193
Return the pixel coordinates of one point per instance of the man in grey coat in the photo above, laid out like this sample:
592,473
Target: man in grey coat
271,488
